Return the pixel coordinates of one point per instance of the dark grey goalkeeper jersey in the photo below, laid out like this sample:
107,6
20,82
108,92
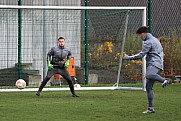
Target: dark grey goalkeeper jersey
58,55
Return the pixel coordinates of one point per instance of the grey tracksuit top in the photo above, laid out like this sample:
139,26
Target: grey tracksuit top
58,55
153,49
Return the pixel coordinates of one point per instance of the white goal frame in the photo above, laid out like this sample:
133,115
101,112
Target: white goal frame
116,87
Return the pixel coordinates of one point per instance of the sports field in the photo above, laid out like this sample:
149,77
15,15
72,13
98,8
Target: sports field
109,105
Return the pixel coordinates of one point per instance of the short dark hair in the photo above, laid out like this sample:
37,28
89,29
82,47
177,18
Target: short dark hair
61,38
142,29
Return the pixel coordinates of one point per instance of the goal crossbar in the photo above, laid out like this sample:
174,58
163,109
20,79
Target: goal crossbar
71,7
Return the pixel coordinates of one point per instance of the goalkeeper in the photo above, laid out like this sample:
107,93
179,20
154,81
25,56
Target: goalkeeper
153,50
58,59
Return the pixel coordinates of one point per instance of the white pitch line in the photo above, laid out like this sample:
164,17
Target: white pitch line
61,89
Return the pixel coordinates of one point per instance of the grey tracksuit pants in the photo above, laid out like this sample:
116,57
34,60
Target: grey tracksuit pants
63,72
152,75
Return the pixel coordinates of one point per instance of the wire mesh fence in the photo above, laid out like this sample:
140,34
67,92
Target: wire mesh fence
41,28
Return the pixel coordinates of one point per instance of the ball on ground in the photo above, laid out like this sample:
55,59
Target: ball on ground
20,84
77,85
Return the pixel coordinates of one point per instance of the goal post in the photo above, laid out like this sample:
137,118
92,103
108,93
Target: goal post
109,29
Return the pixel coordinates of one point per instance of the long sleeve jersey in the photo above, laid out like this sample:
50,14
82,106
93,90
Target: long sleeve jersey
58,55
153,50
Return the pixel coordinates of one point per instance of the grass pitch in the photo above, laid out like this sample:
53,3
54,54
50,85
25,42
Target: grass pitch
105,105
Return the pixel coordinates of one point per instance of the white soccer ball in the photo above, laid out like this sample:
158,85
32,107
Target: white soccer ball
77,85
20,84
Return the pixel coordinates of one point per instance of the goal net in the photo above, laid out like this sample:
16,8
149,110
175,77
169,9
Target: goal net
97,36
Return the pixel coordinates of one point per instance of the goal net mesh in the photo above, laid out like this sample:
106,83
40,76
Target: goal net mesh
40,29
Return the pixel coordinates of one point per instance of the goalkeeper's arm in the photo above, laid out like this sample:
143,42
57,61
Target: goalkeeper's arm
67,63
49,55
49,59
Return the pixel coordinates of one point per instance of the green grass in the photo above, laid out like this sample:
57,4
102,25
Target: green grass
109,105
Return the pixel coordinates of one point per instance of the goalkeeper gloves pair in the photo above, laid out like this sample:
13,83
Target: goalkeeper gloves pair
50,66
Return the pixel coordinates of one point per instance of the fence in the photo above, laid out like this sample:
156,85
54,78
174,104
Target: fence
40,30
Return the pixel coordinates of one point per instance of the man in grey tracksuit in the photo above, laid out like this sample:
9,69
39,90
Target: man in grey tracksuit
153,50
58,59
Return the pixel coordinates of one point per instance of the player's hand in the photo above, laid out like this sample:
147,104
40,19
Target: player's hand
67,63
50,66
124,55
